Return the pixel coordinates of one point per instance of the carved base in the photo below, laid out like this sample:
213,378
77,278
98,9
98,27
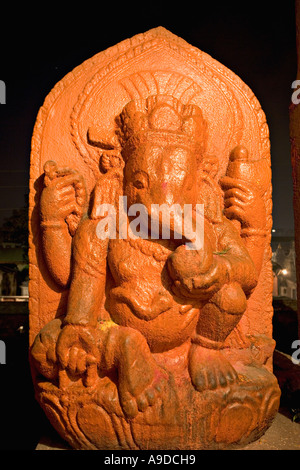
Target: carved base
91,418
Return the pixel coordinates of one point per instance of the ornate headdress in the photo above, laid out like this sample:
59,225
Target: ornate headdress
160,108
161,119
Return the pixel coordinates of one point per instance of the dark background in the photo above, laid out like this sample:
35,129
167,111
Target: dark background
40,45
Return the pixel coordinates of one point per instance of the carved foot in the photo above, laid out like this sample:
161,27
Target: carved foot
141,381
135,397
209,369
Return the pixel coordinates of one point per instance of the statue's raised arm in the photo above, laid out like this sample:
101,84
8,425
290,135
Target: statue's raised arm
245,185
63,203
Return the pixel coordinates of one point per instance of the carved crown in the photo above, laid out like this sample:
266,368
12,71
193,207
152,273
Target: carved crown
161,119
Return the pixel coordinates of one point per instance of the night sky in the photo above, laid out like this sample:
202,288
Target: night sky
39,47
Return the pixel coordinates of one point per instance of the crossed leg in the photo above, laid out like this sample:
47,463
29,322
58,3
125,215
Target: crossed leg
140,380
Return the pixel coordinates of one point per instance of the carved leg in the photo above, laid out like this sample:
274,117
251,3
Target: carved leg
140,380
208,368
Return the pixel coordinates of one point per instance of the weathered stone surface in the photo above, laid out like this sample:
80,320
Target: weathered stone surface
140,342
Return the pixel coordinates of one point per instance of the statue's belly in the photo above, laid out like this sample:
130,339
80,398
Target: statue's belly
140,297
163,331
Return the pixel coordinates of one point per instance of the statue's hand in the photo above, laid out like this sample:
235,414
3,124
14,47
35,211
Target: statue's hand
64,197
243,203
77,351
195,273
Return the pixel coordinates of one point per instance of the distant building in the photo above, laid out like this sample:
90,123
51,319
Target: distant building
13,270
284,265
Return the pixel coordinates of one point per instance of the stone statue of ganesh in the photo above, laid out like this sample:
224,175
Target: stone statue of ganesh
138,359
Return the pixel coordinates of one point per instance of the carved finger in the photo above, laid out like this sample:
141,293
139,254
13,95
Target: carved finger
170,268
235,192
234,213
69,180
62,354
88,343
80,189
66,191
179,291
142,402
204,293
211,379
185,308
80,193
203,282
61,172
65,341
207,292
231,376
200,381
79,185
91,374
53,173
81,362
73,359
129,405
68,209
67,200
188,284
230,183
50,354
151,396
233,201
80,201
